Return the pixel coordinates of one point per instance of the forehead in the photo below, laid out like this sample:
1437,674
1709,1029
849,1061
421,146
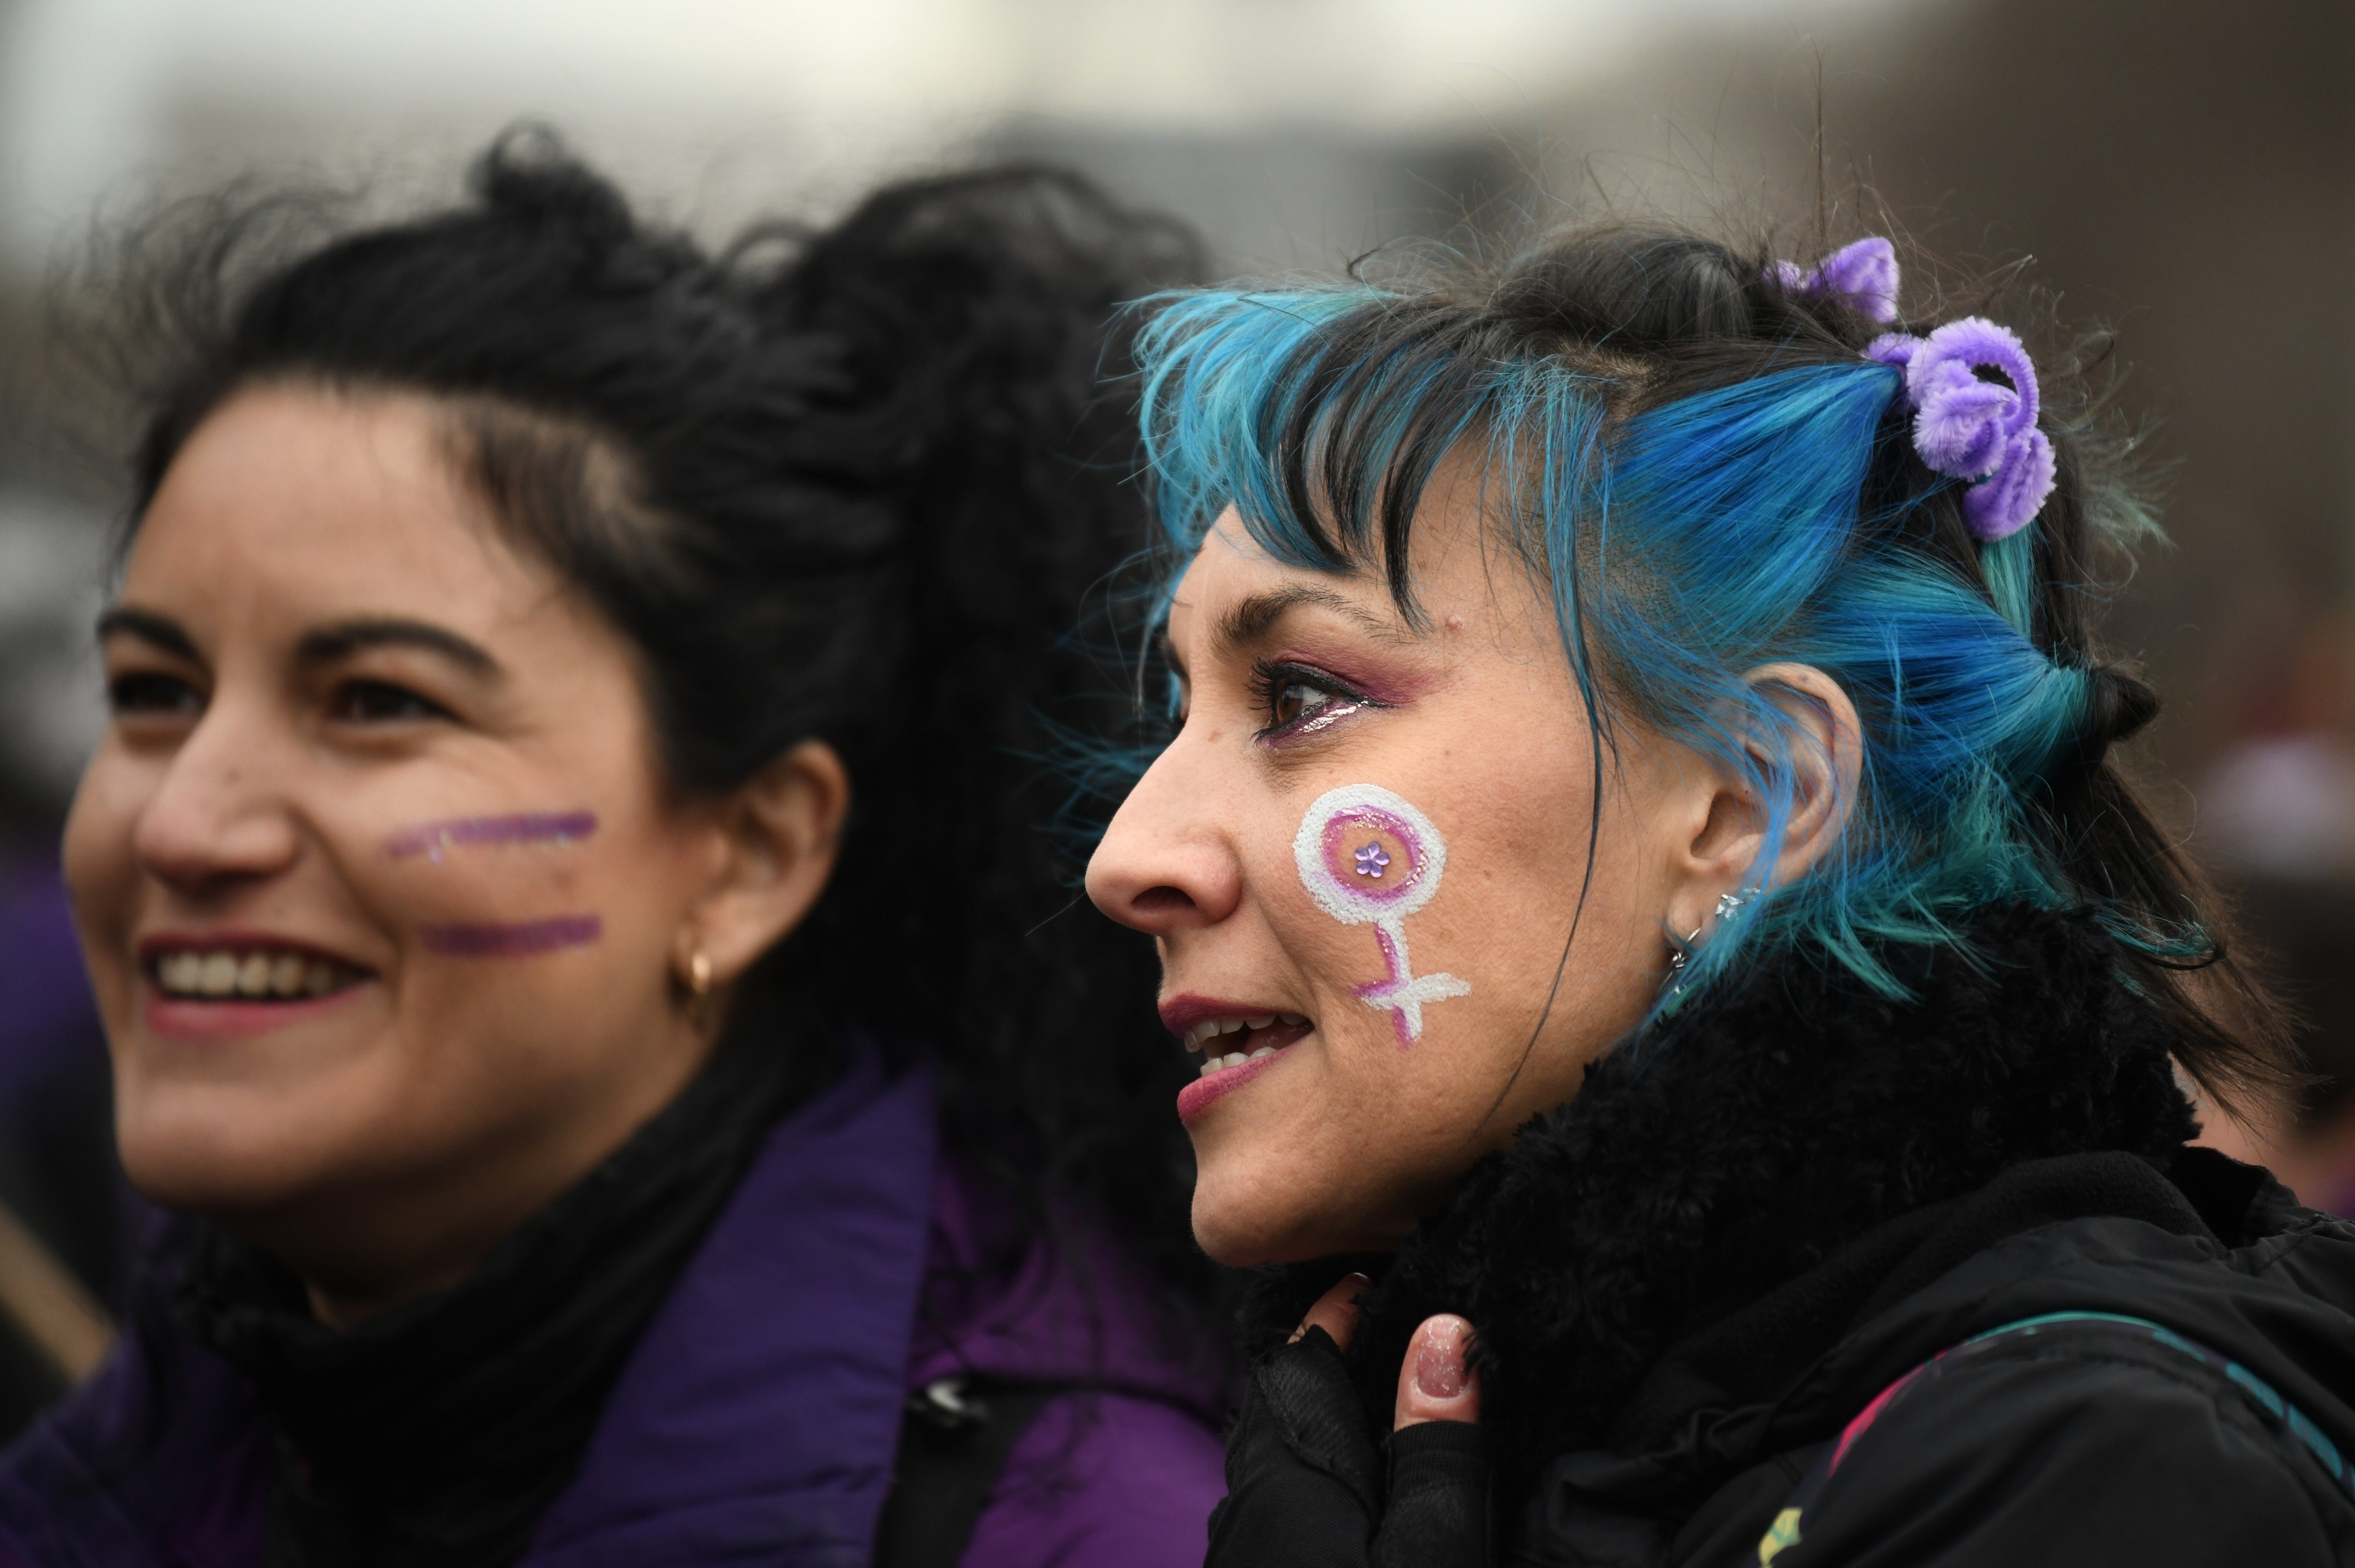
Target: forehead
1455,574
303,502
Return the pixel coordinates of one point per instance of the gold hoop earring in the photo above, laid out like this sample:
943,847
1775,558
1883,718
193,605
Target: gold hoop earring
698,973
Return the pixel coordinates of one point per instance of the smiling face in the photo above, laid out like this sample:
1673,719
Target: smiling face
379,883
1326,741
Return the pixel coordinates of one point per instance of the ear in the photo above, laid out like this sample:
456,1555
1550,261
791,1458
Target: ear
780,832
1821,749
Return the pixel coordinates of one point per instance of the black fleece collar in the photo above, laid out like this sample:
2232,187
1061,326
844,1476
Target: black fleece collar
438,1432
1722,1204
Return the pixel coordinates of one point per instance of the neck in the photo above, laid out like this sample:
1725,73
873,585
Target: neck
420,1427
362,1249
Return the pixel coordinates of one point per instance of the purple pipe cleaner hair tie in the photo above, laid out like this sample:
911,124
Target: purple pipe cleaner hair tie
1863,273
1974,429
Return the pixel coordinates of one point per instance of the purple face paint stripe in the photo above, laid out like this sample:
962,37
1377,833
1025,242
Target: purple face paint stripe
517,828
516,941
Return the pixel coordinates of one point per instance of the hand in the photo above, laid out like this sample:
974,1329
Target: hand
1306,1483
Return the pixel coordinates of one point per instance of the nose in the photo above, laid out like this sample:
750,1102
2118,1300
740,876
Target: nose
213,819
1167,863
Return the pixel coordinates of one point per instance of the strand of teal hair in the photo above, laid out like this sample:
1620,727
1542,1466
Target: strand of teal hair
2009,567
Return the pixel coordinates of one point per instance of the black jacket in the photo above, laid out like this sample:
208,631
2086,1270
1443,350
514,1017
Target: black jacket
1693,1284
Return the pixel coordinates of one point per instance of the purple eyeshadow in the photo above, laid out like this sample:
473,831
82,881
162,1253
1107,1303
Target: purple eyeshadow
430,839
516,941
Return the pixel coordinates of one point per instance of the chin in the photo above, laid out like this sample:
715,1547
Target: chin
204,1159
1245,1234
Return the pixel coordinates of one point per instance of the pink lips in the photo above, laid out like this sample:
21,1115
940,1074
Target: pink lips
179,1018
1203,1093
1182,1012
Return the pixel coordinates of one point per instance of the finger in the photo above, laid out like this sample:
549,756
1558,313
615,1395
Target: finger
1304,1470
1335,1312
1439,1512
1434,1383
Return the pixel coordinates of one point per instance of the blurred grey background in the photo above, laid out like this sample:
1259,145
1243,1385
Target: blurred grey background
2184,172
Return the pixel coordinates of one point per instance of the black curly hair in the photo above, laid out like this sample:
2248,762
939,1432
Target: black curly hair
860,484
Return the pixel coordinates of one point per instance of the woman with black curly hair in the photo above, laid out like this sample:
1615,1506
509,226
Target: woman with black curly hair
562,887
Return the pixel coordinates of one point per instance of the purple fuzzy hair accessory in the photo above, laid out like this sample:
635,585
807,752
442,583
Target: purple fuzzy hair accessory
1974,429
1863,273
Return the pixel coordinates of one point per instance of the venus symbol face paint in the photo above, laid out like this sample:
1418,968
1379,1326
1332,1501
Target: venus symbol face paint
1368,858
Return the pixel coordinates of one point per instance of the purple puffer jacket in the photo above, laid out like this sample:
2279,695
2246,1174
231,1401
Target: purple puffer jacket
756,1420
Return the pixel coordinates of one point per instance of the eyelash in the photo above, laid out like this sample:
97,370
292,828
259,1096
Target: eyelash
418,708
1270,682
147,693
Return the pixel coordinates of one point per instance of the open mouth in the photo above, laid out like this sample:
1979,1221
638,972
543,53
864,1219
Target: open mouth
246,973
1229,1042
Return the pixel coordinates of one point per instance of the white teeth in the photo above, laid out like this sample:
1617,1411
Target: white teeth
256,974
1233,1059
1210,1029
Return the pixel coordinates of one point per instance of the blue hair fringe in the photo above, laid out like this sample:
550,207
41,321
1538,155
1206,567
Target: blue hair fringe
1683,546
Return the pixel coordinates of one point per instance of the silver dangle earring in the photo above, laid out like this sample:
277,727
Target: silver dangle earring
1677,957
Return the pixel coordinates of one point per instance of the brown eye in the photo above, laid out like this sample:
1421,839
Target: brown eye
1296,700
380,702
149,694
1300,700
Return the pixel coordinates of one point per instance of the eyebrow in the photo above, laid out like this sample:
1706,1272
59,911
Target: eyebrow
330,643
324,646
1249,620
156,630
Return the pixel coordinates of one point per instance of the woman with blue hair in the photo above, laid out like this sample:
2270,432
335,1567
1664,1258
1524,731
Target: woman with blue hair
1640,853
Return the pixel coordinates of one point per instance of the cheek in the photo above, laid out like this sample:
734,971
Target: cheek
1425,1016
540,934
1564,940
502,886
526,983
101,867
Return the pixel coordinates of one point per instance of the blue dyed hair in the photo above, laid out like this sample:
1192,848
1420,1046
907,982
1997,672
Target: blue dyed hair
1707,476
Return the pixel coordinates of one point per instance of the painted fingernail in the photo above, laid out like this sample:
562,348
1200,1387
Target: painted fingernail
1439,1365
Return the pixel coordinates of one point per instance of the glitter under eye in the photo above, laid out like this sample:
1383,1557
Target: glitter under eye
1277,687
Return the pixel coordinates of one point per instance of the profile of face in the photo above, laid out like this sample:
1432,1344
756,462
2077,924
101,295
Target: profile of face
384,893
1393,894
